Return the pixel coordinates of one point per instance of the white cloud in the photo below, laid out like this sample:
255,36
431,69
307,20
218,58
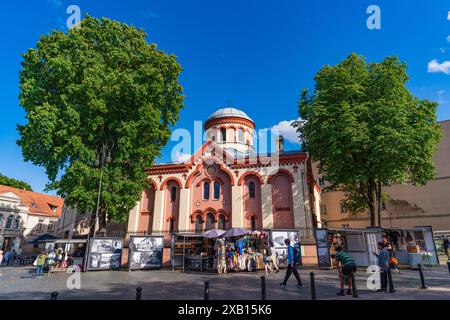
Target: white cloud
56,3
434,66
180,157
448,16
448,38
286,129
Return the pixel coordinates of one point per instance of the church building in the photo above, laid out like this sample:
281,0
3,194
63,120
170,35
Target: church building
228,184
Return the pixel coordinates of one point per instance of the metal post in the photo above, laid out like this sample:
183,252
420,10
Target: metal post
98,201
422,278
206,290
353,280
263,288
138,293
54,295
313,286
448,266
391,283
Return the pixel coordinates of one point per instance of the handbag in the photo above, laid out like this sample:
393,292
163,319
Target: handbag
35,263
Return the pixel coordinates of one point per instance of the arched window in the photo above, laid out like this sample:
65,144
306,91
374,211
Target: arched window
9,222
216,190
17,223
253,223
210,221
198,224
173,194
241,135
223,134
206,187
221,222
252,190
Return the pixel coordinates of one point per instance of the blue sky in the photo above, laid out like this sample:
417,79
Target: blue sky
256,54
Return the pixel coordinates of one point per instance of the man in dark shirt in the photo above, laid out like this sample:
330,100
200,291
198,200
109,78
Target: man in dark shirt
347,267
447,247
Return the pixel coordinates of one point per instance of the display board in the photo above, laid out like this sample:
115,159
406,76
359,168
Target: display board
145,252
278,238
104,253
323,253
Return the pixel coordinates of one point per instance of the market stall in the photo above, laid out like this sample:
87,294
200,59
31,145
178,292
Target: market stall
411,246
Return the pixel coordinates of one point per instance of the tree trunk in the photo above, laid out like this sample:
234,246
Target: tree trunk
371,202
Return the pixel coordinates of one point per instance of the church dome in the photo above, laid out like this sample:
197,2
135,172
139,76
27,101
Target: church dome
229,112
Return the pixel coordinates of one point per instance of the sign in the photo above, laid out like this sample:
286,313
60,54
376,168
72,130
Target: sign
278,238
323,253
105,253
145,252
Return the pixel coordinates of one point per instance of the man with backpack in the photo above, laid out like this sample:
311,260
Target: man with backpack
293,258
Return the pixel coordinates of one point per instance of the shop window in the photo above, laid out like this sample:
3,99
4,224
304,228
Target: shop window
173,194
17,223
252,190
221,222
216,190
253,223
9,222
198,224
210,221
206,187
223,134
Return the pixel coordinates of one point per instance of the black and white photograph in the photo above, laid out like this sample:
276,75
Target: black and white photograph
105,254
145,253
322,238
102,246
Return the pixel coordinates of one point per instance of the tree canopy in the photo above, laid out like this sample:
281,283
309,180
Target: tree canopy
99,84
366,130
10,182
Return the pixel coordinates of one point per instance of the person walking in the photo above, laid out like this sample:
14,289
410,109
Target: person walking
273,256
383,264
7,257
347,268
1,260
446,245
293,258
267,259
40,263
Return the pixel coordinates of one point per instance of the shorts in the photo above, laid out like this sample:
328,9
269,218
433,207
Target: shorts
346,270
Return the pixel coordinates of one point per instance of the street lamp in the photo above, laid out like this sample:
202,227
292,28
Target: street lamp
103,156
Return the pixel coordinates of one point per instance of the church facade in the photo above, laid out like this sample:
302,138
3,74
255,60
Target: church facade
228,184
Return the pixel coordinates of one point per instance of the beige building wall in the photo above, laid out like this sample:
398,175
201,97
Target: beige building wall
408,205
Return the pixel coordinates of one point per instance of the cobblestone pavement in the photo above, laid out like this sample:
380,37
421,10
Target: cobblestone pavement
19,283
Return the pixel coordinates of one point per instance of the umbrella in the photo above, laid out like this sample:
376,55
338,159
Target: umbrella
235,232
213,233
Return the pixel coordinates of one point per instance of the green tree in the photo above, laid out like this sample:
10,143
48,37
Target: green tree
367,131
99,84
10,182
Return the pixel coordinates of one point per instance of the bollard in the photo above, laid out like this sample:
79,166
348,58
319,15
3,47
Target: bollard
391,283
263,288
422,278
206,290
138,293
313,286
448,266
355,290
54,295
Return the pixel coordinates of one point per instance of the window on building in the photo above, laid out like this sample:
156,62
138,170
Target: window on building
221,224
346,226
321,182
216,190
253,223
1,220
323,209
40,225
34,205
9,222
344,208
173,194
383,206
17,223
206,187
210,221
171,225
223,134
241,135
51,225
252,190
53,208
198,224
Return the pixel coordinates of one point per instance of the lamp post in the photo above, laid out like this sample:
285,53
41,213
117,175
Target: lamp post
103,156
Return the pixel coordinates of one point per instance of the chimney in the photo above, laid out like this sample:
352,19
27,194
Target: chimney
280,144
